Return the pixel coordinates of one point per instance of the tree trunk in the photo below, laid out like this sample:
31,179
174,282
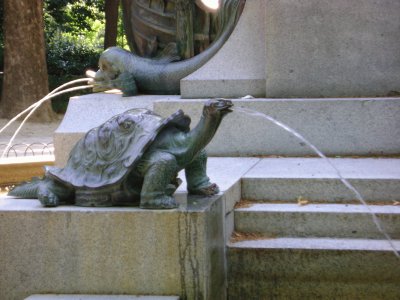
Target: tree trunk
184,28
110,36
25,69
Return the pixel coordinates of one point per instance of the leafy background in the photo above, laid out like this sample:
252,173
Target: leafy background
74,31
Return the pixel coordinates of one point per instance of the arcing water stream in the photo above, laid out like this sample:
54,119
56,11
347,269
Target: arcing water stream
375,219
31,109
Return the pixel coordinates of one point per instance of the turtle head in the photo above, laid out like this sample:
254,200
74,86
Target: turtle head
217,107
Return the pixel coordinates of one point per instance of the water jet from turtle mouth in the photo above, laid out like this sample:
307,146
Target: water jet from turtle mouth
31,109
358,195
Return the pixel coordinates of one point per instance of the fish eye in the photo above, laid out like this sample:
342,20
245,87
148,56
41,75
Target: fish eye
126,124
103,66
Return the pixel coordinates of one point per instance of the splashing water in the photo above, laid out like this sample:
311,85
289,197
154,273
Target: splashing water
375,219
31,109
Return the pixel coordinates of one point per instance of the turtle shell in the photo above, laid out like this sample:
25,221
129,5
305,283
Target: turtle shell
106,154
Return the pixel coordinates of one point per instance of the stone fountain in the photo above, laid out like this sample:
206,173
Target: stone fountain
330,70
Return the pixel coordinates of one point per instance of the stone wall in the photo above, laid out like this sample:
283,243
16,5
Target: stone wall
306,49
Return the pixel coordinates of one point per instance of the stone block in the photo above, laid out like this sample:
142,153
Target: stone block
328,48
75,250
363,126
227,173
238,69
307,49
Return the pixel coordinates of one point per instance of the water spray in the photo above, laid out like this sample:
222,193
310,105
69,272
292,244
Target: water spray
31,109
326,159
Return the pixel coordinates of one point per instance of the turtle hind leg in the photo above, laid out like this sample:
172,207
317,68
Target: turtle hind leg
52,193
196,176
49,192
129,194
173,186
161,171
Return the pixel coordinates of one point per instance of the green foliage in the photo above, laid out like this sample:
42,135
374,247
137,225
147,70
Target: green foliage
1,57
74,31
72,16
70,56
68,59
74,35
121,37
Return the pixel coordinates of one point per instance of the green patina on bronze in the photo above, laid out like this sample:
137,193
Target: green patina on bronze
133,74
133,159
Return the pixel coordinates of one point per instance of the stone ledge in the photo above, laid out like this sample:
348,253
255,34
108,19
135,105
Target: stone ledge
17,169
99,297
336,126
287,179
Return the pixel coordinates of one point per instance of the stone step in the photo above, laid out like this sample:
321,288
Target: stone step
318,220
98,297
314,179
313,268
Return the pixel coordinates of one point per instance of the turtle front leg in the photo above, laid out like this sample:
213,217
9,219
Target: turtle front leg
161,170
198,183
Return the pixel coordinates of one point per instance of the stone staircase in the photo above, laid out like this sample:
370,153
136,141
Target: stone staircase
301,234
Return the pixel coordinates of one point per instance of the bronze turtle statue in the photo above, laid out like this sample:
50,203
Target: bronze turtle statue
133,159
